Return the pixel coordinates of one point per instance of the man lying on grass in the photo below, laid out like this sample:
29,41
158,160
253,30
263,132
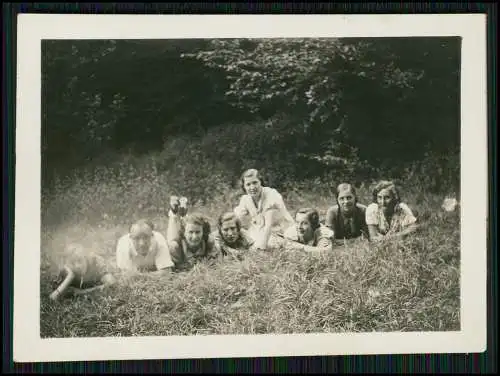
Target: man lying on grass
308,234
188,236
81,272
143,250
230,239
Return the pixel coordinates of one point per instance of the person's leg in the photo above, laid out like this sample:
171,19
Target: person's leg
178,209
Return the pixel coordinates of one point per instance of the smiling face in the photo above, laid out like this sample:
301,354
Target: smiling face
304,227
252,186
193,233
346,201
229,231
385,200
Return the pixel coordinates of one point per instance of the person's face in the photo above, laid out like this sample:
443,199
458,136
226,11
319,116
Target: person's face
385,200
346,201
193,234
229,231
141,237
304,227
252,186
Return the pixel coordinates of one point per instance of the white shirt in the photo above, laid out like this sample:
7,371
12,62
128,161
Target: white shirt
270,199
158,255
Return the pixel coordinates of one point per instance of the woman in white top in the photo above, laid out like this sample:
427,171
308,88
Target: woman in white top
387,216
263,207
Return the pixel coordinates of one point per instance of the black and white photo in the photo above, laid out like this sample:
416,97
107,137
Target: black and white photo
190,189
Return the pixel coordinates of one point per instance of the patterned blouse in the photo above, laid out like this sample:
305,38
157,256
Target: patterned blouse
401,219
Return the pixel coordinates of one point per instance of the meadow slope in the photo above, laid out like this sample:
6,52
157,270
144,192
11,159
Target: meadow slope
407,285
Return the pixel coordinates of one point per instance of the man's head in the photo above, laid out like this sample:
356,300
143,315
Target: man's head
141,233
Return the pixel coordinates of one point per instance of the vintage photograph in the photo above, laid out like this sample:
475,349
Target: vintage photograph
250,186
205,186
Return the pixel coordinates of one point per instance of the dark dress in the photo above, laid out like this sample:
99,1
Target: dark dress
347,227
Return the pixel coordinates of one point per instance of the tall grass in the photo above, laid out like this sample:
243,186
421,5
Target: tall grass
406,285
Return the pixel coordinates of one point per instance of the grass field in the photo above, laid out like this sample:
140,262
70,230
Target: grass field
407,285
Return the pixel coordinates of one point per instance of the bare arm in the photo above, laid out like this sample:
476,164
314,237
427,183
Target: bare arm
265,231
373,233
70,276
322,247
106,280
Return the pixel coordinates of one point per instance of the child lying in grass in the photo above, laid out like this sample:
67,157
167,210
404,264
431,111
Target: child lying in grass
308,234
82,272
230,239
188,236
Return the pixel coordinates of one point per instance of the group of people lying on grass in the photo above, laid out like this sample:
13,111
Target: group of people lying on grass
260,221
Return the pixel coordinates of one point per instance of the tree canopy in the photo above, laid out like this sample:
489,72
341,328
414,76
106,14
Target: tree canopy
326,101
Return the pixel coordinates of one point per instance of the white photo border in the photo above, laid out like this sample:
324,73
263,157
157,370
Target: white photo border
28,346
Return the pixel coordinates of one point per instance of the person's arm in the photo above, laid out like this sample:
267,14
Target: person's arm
163,260
175,250
265,232
323,246
371,219
408,222
63,287
77,291
242,211
373,233
330,218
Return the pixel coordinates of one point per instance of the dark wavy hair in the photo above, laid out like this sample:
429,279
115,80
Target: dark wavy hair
311,215
200,220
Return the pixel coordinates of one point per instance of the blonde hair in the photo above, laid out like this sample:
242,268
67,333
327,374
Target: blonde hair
390,186
77,258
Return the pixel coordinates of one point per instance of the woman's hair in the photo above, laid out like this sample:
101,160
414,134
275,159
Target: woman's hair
199,220
77,257
346,187
228,216
311,215
250,173
389,185
142,222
